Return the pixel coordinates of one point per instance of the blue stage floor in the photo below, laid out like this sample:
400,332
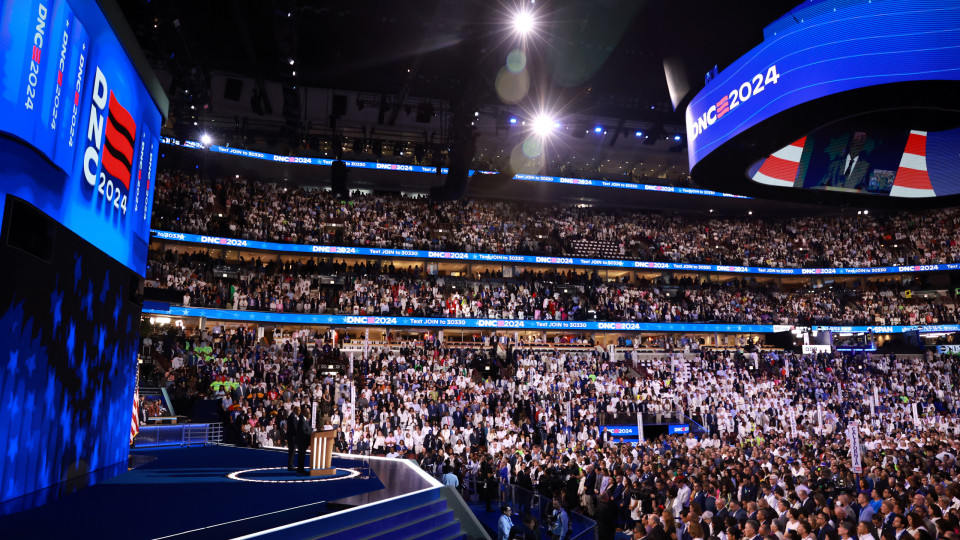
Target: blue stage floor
186,493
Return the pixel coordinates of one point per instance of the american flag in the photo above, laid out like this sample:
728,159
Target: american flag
135,422
780,169
912,178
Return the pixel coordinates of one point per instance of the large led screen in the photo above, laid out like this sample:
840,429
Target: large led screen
69,91
69,366
867,159
822,49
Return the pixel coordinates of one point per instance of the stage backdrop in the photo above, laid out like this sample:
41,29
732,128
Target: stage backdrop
80,117
68,339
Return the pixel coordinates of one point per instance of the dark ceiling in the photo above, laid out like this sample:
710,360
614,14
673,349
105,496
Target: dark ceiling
594,56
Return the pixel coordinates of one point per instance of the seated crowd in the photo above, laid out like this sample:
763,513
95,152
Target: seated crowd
238,208
565,294
772,460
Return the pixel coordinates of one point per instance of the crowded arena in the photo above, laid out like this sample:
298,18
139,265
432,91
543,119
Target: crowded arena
236,208
437,270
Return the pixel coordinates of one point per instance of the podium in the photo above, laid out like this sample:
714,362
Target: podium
321,452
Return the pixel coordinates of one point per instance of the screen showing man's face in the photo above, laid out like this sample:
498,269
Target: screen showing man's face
857,143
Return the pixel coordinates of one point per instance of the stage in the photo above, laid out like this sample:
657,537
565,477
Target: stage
201,492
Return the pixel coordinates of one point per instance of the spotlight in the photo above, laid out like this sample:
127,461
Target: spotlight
598,129
523,22
639,134
513,120
543,125
677,137
205,139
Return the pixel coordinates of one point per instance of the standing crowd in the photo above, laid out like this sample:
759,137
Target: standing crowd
772,460
239,208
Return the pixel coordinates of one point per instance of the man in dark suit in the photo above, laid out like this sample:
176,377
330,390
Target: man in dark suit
486,479
708,523
605,438
699,496
824,528
525,482
292,422
606,517
807,504
710,420
710,504
886,510
900,526
752,512
723,510
737,512
656,531
430,440
304,429
849,170
590,485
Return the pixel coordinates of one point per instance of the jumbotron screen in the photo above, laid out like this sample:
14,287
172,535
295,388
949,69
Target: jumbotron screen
69,90
822,69
867,159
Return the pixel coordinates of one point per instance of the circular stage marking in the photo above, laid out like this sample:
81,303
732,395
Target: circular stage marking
341,474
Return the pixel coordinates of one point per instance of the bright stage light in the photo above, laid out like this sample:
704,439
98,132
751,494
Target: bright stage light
523,22
543,125
205,139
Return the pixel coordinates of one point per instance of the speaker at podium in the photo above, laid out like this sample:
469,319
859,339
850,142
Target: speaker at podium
321,452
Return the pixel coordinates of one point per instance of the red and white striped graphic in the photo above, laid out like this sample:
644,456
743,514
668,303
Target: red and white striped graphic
135,422
912,178
780,169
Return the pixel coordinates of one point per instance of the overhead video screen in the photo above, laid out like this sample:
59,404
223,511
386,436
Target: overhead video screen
69,90
822,49
867,159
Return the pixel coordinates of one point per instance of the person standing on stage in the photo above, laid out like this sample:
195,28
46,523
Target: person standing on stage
304,429
292,421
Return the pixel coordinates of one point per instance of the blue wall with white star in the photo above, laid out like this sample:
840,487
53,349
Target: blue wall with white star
68,340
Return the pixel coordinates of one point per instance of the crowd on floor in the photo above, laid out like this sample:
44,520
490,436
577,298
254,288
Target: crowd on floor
773,459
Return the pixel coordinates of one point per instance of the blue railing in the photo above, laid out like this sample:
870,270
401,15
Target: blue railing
178,435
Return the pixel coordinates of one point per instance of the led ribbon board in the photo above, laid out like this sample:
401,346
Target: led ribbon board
350,164
516,324
69,90
535,259
831,60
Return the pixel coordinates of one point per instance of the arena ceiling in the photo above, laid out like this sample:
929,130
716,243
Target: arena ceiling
596,58
369,45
